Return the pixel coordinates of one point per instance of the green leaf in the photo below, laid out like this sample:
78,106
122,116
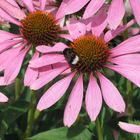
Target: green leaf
14,111
63,133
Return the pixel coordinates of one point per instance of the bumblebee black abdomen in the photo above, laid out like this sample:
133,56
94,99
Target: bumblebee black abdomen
70,56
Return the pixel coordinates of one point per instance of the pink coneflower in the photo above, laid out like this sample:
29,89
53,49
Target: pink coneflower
72,6
87,56
37,26
132,128
3,98
115,12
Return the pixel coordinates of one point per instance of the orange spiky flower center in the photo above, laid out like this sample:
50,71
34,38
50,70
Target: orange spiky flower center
40,28
92,51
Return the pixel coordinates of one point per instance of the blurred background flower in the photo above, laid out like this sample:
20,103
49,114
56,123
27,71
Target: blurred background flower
36,25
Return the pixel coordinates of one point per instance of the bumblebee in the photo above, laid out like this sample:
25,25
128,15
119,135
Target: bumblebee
70,56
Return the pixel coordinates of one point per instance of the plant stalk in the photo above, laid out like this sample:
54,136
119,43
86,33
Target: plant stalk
17,89
31,115
129,99
99,130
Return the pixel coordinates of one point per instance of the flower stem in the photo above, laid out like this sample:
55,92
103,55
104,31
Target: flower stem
17,89
31,115
129,98
125,33
99,130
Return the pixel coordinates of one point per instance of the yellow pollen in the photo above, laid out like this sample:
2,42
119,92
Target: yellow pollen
40,28
92,51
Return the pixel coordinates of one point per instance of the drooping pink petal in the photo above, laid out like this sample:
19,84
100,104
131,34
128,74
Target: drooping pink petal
74,104
7,56
111,95
74,6
44,79
42,4
128,71
87,22
12,10
67,71
46,60
116,13
93,99
51,9
37,4
58,65
8,18
92,8
44,70
109,35
76,29
130,59
2,81
3,98
130,45
99,22
136,10
54,93
11,72
61,11
6,36
31,74
29,5
13,2
131,128
66,36
58,47
8,44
